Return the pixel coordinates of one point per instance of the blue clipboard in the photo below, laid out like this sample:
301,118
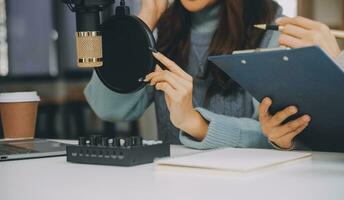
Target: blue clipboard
306,77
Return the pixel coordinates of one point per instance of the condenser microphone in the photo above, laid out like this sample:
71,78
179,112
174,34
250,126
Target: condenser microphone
88,36
88,39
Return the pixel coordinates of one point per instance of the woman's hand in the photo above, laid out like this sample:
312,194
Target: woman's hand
177,86
301,32
151,11
273,127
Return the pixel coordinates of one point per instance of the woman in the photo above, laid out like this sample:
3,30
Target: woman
195,102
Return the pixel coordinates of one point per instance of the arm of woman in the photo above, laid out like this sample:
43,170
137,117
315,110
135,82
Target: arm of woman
151,11
111,106
200,128
225,131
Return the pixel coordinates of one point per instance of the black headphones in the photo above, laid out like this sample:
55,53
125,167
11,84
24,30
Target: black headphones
127,55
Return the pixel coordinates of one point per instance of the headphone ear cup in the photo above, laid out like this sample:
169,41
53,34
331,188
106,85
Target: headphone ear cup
127,57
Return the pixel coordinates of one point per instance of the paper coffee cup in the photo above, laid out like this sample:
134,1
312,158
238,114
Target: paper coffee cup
19,114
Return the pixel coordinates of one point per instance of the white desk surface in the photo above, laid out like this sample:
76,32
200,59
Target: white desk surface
321,177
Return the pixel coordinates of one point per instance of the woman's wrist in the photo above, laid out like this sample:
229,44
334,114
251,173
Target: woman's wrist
195,125
151,11
148,19
289,147
336,52
340,55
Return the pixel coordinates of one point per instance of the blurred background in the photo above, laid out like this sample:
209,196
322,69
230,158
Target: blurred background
37,53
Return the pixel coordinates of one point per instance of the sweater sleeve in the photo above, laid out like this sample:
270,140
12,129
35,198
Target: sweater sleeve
111,106
225,131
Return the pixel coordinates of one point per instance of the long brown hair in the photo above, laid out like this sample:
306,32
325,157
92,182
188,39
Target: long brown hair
234,32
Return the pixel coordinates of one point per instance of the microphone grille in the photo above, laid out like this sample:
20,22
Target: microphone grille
89,49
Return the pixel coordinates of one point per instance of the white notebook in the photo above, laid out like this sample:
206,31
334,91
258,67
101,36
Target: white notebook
231,160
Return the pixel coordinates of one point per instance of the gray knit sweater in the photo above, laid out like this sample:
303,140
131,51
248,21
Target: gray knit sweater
232,119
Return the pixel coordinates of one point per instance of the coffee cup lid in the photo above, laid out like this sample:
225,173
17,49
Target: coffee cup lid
17,97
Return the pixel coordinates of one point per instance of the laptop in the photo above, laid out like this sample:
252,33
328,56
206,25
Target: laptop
30,148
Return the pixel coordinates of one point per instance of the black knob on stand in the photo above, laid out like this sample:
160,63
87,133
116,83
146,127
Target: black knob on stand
136,141
82,141
95,140
127,142
105,141
116,142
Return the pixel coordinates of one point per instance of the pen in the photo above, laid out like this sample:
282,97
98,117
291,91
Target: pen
336,33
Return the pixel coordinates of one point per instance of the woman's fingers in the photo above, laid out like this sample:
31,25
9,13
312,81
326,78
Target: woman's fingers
165,76
280,132
298,21
172,66
314,33
167,89
273,127
281,116
175,95
295,31
158,68
159,76
299,130
293,134
160,72
264,109
290,41
293,125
